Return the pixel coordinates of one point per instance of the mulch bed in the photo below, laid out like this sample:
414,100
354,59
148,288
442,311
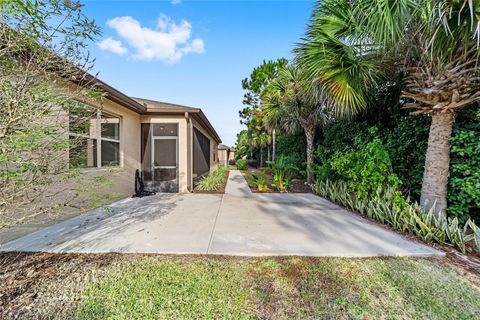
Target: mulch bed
296,185
466,263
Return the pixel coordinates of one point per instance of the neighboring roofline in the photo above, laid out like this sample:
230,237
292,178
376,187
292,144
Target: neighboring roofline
223,147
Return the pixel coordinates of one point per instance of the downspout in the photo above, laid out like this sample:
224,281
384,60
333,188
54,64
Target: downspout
189,152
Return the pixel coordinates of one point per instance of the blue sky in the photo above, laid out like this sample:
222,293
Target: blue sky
193,53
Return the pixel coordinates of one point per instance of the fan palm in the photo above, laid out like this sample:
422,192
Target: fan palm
292,103
260,140
433,42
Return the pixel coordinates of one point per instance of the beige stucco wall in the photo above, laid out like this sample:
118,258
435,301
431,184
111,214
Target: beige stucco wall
182,143
124,175
130,147
222,156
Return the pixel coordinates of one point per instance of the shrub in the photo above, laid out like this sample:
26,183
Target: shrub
406,144
365,170
282,170
260,181
293,147
464,184
214,180
242,164
386,207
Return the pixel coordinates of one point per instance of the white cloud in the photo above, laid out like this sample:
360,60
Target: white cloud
169,41
174,2
112,45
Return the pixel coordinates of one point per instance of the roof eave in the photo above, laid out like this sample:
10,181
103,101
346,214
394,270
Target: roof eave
207,125
115,95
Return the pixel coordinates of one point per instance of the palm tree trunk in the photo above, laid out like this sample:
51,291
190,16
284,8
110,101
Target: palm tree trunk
268,154
274,148
261,157
437,163
310,135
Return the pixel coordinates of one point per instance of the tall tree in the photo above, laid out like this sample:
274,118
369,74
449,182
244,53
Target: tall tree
433,42
260,140
292,102
251,115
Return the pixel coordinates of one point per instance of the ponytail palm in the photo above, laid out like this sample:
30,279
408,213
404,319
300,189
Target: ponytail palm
433,42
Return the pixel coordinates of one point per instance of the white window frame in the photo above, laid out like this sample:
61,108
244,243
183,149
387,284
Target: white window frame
98,138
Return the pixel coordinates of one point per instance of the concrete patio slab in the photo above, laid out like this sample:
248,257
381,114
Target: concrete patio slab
303,225
164,223
237,223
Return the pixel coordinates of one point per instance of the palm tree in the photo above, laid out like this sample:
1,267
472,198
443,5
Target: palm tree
291,102
433,42
260,140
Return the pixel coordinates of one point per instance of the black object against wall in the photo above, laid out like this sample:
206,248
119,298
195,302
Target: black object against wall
140,187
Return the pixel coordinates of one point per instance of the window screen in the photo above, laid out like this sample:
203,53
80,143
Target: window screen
165,153
201,153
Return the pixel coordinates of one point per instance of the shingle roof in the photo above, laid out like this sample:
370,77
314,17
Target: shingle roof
159,106
148,106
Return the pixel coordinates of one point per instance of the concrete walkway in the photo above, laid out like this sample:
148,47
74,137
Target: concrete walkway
237,223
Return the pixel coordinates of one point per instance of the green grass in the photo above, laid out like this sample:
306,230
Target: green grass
282,288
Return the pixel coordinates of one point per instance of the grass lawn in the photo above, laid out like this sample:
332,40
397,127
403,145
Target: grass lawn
195,287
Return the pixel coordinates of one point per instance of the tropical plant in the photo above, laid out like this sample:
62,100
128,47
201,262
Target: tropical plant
260,180
464,185
242,164
387,206
293,147
366,169
260,140
214,181
251,115
292,102
282,171
242,146
434,43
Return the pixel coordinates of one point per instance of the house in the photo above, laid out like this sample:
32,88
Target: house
231,154
171,145
225,154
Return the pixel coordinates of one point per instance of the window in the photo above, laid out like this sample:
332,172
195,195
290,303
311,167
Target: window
110,140
94,138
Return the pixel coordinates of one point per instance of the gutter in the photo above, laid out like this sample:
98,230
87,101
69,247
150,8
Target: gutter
189,153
